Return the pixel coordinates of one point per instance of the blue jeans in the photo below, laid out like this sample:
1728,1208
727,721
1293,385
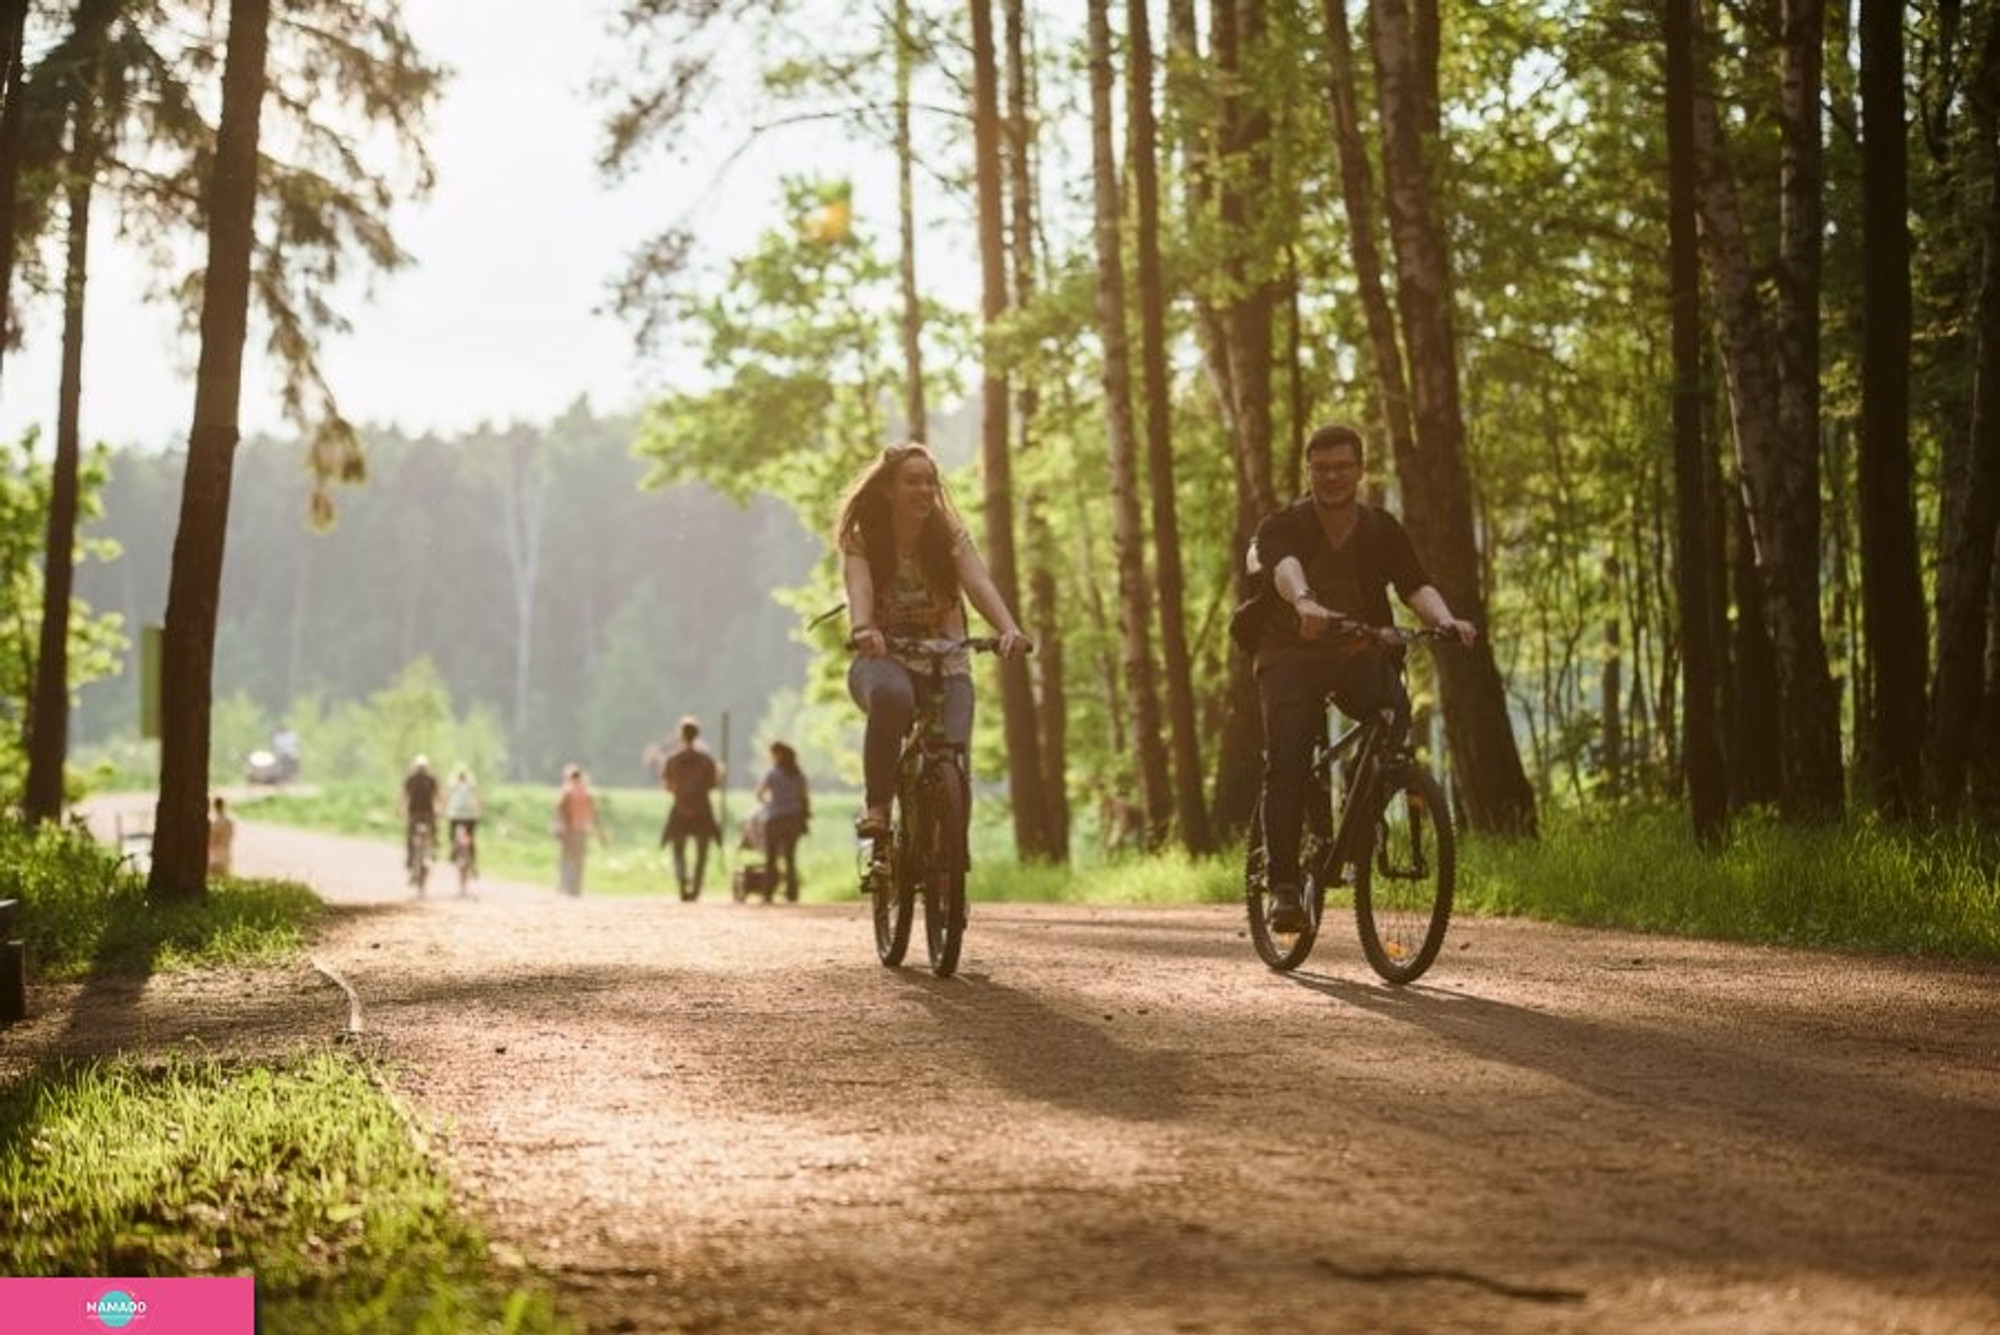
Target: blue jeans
887,692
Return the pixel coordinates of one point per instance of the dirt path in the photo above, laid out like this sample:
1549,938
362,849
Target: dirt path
713,1117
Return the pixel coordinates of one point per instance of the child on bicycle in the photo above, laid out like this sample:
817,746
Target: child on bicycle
909,565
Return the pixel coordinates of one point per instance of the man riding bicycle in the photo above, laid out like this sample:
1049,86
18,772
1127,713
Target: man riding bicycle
1331,559
420,809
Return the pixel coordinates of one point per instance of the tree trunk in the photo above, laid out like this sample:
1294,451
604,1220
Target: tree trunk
1190,806
1024,763
13,32
1358,194
524,495
1775,420
48,717
1128,538
1701,744
1245,328
1051,658
1965,558
1437,493
906,218
1755,739
180,839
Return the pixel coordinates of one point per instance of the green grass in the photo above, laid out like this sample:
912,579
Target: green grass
515,843
1860,885
83,911
304,1174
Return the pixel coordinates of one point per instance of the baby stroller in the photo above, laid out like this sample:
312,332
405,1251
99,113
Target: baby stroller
753,877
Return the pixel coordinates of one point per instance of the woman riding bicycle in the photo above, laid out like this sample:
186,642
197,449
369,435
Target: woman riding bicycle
906,558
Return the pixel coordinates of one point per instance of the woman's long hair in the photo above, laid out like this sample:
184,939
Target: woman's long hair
865,510
785,757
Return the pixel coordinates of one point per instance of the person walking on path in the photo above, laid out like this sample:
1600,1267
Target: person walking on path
787,812
221,839
689,775
576,819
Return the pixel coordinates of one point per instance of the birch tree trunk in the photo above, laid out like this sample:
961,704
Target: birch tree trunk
1694,563
1024,764
524,494
1437,493
1190,805
1128,539
1045,609
1775,421
187,660
1240,348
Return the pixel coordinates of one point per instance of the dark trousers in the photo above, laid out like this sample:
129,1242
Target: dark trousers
1293,685
781,845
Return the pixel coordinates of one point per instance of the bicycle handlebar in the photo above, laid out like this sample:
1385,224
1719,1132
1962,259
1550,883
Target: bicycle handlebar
939,648
1349,629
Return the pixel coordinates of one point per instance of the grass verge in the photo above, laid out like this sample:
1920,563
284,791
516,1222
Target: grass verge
1860,885
304,1173
82,910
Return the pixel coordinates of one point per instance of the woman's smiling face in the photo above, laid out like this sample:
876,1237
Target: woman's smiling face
913,492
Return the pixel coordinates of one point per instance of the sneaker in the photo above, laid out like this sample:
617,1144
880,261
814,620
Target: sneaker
1287,914
871,825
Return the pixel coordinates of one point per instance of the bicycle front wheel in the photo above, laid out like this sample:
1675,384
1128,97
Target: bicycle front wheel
891,898
942,851
1283,951
1403,890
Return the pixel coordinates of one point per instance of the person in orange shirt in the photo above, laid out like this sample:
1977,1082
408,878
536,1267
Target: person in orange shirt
576,819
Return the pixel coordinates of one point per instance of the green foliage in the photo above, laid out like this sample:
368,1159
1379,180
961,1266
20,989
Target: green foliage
1861,886
304,1172
83,910
796,341
94,640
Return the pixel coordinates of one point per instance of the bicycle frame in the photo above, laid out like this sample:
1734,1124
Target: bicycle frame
1360,744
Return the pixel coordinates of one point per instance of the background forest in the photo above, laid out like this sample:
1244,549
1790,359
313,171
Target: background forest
564,613
1673,328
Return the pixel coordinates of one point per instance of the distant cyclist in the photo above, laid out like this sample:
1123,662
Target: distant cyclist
462,808
420,809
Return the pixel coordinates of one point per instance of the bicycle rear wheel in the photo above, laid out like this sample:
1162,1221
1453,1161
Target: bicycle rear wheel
1403,892
1283,951
891,899
942,853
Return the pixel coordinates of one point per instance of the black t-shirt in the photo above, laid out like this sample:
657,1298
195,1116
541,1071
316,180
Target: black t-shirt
420,792
1355,580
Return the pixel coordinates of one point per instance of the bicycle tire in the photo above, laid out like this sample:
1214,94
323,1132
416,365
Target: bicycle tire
943,852
891,901
420,858
1282,951
1404,886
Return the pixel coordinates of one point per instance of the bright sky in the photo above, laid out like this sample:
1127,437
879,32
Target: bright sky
496,319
